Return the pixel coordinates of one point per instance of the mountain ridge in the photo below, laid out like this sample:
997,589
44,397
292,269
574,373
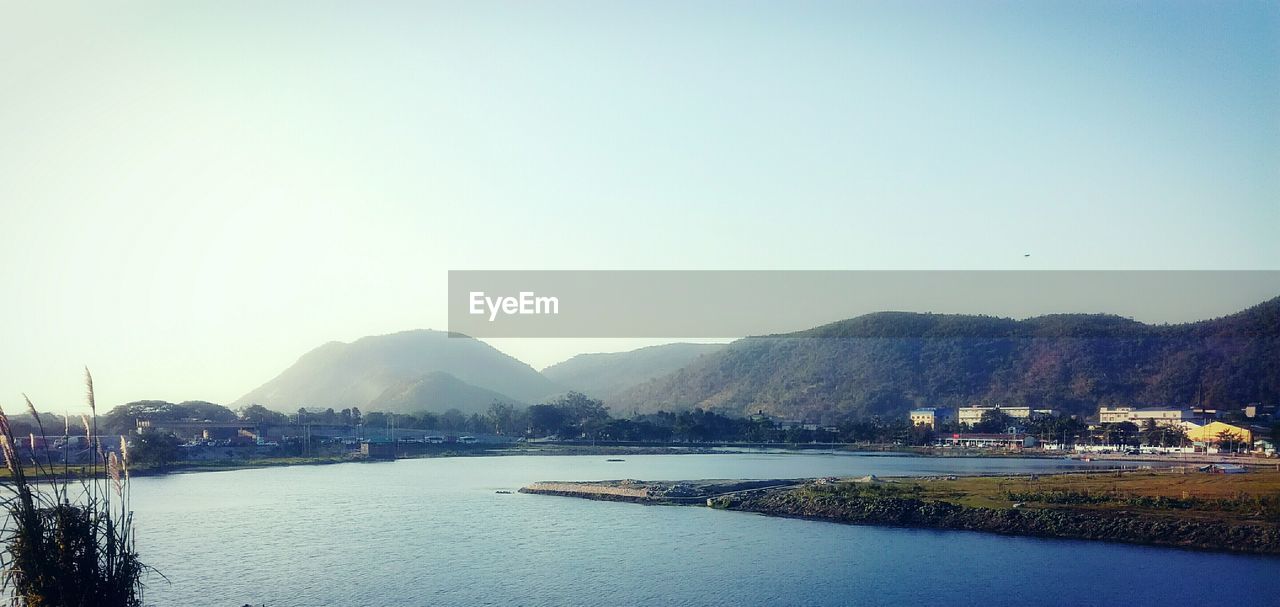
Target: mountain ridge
887,362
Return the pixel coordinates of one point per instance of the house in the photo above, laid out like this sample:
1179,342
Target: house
1259,411
931,417
1162,416
378,450
1264,446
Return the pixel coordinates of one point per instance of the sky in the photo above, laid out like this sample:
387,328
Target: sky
193,194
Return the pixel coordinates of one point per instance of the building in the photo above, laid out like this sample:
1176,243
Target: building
204,430
931,417
1162,416
1259,411
973,415
378,450
1007,441
1210,432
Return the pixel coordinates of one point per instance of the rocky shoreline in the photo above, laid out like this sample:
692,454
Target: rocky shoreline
1124,527
914,503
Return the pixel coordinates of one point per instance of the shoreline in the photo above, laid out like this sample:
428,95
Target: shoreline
550,449
1176,508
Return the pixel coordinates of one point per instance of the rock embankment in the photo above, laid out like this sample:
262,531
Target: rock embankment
654,492
599,491
1119,526
1153,518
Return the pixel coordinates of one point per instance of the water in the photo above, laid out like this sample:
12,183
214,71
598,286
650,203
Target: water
433,532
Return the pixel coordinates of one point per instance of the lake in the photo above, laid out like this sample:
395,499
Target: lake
433,532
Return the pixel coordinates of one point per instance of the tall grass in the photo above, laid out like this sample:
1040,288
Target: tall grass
68,539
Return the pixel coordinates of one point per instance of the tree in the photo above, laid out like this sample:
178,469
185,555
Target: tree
581,409
546,420
500,415
921,435
428,420
375,419
1123,433
124,418
1228,440
156,449
797,435
994,421
200,410
259,414
453,420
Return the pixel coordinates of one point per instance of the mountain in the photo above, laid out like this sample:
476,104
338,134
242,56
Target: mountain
605,375
400,368
437,391
885,363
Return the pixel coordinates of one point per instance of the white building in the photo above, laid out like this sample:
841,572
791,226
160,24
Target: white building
973,415
1162,416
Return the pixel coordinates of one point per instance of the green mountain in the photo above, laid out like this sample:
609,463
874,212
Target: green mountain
341,375
605,375
885,363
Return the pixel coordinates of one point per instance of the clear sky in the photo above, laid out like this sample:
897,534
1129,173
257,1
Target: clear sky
196,193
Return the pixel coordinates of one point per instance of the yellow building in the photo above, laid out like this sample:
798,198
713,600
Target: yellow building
1209,432
930,417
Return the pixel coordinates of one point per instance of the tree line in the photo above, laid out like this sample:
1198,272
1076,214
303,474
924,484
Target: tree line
575,416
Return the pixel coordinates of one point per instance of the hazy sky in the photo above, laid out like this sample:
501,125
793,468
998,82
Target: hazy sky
196,193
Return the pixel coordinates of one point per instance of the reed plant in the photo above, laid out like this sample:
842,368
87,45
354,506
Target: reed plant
68,537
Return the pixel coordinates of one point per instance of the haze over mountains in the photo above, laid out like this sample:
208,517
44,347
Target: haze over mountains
877,364
604,375
405,372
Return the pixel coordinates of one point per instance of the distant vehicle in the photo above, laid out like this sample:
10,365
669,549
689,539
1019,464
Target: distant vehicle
435,440
468,439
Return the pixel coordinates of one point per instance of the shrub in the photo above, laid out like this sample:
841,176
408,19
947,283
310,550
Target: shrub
65,547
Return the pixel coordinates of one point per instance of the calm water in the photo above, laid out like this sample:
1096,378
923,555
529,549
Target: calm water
433,532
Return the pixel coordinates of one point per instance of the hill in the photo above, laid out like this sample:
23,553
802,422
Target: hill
437,391
885,363
397,367
605,375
